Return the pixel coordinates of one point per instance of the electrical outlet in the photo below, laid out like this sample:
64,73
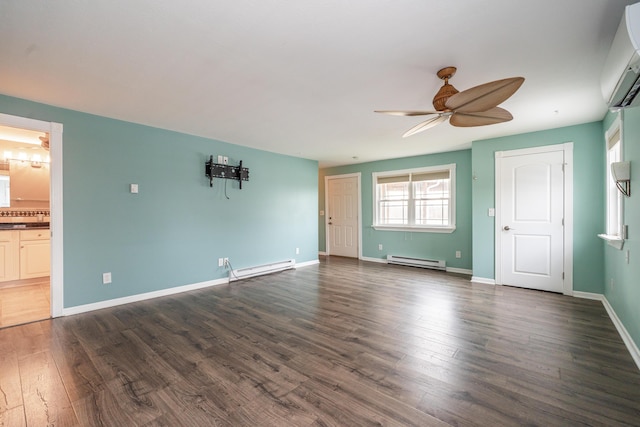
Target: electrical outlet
220,262
220,159
297,251
626,257
226,262
225,160
106,278
380,247
458,254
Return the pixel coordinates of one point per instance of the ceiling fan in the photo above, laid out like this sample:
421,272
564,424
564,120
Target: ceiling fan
477,106
44,142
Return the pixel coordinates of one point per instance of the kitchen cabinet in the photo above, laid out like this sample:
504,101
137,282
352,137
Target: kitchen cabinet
9,255
35,253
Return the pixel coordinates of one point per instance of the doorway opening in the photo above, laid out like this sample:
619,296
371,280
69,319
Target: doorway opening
30,220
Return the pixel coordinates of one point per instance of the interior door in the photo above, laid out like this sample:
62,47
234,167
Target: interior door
342,219
531,220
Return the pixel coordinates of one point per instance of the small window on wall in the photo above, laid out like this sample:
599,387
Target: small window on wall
614,197
5,195
415,199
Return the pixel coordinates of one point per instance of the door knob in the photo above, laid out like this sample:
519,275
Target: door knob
507,228
330,223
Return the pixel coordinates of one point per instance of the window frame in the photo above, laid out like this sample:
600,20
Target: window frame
411,226
614,202
613,237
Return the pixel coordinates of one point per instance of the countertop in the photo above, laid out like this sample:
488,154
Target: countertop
24,226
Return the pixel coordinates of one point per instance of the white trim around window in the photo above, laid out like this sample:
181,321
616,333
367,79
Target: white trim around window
614,225
408,214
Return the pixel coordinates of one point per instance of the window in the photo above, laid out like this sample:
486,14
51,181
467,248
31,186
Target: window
4,191
415,199
614,197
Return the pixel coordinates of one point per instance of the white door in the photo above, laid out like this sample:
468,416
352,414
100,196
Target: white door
342,218
531,220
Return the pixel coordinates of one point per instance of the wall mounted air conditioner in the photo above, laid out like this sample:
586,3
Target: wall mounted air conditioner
621,73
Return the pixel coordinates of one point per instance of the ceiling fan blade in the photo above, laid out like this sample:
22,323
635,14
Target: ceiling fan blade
405,112
427,124
489,117
484,97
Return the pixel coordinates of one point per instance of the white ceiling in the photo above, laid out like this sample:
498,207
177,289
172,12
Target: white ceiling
303,77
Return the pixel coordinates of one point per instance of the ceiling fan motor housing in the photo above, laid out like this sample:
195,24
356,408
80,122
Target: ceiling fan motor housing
443,94
446,90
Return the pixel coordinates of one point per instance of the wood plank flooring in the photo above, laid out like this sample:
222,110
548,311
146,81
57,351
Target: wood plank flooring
24,301
343,343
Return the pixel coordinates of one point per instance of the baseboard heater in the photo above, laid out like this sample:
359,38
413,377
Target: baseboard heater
258,270
436,264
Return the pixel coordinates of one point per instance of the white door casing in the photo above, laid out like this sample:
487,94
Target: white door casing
342,220
55,148
534,218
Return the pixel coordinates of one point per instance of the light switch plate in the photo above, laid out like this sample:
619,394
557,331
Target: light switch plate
134,188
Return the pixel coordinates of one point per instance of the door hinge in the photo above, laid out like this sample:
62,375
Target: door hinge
563,275
563,222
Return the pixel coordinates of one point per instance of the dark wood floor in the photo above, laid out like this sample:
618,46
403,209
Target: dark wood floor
344,343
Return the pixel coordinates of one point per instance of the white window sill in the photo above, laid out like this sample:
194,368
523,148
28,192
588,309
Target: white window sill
615,241
449,229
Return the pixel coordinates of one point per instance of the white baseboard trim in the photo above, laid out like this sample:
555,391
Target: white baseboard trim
459,271
307,263
378,260
141,297
588,295
483,280
156,294
322,254
624,334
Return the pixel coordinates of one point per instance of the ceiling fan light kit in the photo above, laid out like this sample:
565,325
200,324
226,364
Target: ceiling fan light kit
477,106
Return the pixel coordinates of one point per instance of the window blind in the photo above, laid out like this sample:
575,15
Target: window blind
393,179
430,176
613,139
416,177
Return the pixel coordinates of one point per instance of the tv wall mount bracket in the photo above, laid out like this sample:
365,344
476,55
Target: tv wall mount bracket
218,170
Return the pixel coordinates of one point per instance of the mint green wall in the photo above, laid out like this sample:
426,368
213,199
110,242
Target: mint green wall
624,295
588,199
173,232
437,245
